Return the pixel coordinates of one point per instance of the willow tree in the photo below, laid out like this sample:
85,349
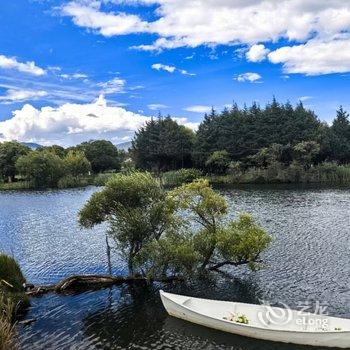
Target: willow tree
155,229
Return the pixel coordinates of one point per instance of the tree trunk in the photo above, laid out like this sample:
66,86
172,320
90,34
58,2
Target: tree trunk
81,283
108,248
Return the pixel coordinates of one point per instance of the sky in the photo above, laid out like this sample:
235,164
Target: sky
74,70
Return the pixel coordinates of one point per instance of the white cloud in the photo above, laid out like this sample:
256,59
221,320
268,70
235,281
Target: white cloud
107,24
72,123
316,28
156,106
315,57
17,95
184,72
74,76
165,67
170,69
249,76
198,109
305,98
113,86
27,67
257,53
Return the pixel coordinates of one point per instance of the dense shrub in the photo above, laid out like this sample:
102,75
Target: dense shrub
102,178
179,177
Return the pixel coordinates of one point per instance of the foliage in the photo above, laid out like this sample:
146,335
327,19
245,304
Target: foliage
7,328
11,272
162,145
218,162
178,177
341,138
102,178
9,153
44,169
327,172
11,298
242,241
243,132
76,163
70,181
151,227
306,152
55,149
19,185
102,155
216,243
135,207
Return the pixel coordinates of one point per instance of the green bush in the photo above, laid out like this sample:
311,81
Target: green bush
11,273
179,177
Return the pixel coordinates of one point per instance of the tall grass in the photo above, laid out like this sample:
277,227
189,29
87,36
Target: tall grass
326,173
12,298
18,185
7,327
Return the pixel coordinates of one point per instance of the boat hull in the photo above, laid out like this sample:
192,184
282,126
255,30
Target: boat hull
175,308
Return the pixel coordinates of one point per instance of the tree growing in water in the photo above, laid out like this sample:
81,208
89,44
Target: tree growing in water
154,228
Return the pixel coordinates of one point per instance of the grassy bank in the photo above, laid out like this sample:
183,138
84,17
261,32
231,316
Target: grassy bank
64,182
326,173
12,300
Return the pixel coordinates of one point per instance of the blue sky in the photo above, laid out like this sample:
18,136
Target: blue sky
174,56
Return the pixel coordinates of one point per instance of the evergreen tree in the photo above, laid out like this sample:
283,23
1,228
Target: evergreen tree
163,144
341,139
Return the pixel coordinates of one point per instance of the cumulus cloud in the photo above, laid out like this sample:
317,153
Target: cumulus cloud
14,95
257,53
198,109
315,57
249,76
86,15
72,123
170,69
27,67
314,26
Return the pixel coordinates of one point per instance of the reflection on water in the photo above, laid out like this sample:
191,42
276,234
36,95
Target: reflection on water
308,260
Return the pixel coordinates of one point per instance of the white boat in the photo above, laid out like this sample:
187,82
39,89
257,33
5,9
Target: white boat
261,321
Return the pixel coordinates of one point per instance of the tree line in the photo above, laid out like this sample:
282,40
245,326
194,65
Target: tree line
54,165
278,141
251,136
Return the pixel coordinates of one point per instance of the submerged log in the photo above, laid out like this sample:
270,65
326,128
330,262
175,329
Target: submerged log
81,283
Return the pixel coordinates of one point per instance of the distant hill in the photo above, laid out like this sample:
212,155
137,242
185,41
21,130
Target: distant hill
124,145
32,145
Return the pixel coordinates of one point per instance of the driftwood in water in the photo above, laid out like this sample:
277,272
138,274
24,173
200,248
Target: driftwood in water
80,283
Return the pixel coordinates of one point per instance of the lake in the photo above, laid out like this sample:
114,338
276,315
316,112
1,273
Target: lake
307,263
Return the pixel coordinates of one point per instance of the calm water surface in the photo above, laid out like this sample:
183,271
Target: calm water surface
308,261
